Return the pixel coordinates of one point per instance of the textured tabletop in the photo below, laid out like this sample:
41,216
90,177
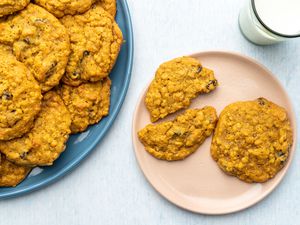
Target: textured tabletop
108,187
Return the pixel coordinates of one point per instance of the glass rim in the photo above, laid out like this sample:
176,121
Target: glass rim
268,28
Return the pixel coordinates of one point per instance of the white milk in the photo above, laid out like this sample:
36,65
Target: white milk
281,19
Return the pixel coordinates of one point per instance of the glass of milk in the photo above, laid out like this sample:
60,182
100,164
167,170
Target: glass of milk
266,22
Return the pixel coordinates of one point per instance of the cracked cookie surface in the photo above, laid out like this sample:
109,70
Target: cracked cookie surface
95,44
87,103
20,96
252,140
10,174
177,139
38,40
176,83
8,7
47,140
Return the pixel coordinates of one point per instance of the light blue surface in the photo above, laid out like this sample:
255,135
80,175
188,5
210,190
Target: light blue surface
108,187
80,145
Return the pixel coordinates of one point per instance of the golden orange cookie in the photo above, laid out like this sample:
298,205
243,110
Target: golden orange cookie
96,40
38,40
20,96
176,83
252,140
10,174
177,139
87,103
47,140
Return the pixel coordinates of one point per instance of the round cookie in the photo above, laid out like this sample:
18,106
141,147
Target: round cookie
109,6
178,139
20,96
252,140
47,140
40,41
10,174
95,44
60,8
87,103
8,7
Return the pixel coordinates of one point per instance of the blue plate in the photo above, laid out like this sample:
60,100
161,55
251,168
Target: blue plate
79,146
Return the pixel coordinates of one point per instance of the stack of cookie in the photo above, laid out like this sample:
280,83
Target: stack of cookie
55,61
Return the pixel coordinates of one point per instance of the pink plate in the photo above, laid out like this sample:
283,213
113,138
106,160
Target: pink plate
196,183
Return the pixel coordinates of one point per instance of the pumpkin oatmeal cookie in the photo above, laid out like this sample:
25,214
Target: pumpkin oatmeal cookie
96,40
8,7
47,140
177,139
60,8
87,103
252,140
20,96
176,83
38,40
10,174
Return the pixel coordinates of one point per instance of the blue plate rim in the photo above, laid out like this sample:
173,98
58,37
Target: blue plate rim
71,166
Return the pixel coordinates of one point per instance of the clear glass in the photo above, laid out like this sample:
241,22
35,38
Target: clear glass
253,30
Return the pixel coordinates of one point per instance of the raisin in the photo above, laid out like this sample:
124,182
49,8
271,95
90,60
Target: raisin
7,95
199,69
23,155
52,69
27,41
215,83
75,75
86,53
261,101
212,82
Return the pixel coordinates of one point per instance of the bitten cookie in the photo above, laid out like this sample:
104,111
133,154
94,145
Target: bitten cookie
176,83
177,139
